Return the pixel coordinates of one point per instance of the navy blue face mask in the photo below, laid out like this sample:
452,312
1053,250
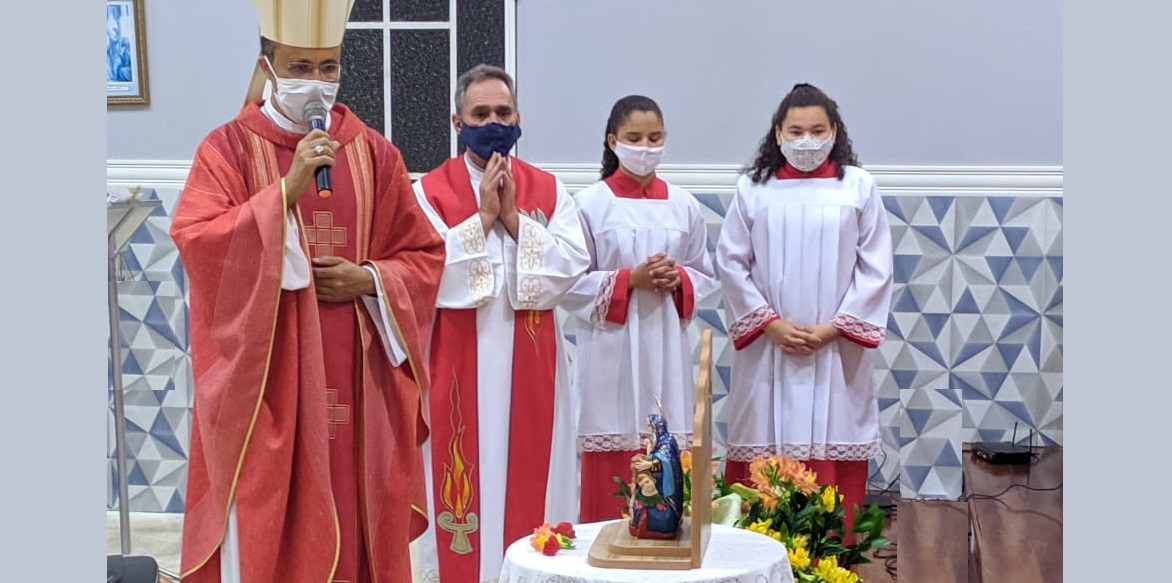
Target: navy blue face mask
486,139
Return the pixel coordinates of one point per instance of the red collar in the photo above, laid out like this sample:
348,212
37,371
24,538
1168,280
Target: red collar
828,169
626,187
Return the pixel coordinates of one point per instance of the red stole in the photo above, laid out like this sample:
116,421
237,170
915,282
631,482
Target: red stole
455,450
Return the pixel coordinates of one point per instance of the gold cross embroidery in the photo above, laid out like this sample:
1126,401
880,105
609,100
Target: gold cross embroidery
335,414
323,236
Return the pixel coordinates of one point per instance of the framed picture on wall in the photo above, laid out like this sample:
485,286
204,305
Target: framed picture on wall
126,63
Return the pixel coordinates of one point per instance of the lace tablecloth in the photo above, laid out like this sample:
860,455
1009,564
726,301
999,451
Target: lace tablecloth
734,556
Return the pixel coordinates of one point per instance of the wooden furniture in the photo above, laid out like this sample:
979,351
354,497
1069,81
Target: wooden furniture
1017,531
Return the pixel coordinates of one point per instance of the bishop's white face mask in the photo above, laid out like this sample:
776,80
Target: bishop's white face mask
292,95
640,160
807,152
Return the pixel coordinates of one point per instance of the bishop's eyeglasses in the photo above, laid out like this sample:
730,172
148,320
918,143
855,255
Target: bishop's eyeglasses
304,70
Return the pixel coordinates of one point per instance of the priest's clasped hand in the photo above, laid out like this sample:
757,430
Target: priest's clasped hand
340,280
498,196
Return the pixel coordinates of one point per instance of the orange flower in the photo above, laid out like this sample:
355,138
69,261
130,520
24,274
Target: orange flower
768,471
541,536
806,483
769,500
686,460
760,464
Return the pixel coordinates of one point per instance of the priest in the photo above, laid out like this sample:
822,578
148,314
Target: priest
503,452
311,303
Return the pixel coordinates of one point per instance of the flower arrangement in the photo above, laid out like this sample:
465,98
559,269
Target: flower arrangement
548,540
786,502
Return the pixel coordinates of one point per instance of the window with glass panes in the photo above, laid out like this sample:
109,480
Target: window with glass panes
400,61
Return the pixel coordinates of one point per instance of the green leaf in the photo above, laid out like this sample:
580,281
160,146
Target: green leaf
745,492
624,490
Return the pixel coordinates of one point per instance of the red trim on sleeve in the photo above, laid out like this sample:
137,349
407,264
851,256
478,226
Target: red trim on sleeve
620,298
743,336
862,333
861,341
684,295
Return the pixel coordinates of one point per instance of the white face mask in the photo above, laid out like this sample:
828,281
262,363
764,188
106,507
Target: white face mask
292,95
807,152
640,160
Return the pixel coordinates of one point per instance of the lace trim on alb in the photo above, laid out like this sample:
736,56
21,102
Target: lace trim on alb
602,300
625,441
751,322
805,451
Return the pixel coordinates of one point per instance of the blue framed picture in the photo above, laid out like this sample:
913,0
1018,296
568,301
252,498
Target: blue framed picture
126,64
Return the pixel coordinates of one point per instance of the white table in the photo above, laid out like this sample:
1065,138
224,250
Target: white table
734,556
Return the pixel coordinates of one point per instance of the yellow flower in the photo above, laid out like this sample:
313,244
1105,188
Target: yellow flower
799,558
686,460
829,570
761,526
830,497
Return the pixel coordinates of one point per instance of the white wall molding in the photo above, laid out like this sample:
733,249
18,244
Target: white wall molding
714,178
945,180
168,173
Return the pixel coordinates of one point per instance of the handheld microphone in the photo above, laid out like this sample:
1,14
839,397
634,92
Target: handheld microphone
315,114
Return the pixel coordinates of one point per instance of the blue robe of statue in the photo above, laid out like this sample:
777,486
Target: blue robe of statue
659,515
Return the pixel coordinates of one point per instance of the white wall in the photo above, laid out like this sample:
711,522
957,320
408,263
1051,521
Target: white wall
925,83
918,83
200,57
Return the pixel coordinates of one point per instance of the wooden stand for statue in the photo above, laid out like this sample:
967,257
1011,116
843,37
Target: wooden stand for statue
615,548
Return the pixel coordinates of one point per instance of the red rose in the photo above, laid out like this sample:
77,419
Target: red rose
551,546
565,529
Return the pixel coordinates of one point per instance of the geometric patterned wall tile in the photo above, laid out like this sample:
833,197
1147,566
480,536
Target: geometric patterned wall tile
885,469
930,461
156,365
995,263
1050,423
